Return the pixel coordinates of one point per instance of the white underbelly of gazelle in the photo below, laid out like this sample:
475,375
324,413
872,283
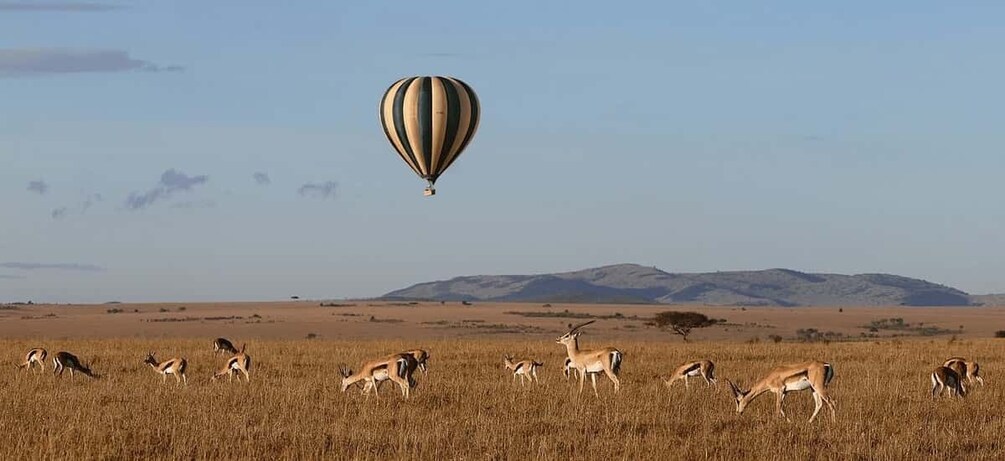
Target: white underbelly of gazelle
797,385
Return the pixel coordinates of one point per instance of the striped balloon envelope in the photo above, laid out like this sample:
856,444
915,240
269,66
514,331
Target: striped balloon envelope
429,121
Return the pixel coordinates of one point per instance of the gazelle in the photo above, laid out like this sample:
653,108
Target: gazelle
526,369
397,368
236,365
569,369
174,367
703,368
814,376
66,360
971,369
592,362
222,346
34,357
947,378
420,358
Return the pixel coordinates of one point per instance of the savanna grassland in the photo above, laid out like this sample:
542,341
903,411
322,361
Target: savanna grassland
467,406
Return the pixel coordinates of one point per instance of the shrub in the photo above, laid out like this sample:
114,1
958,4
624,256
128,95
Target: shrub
1000,334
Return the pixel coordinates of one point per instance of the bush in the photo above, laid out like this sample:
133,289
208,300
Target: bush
775,338
1000,334
312,335
114,311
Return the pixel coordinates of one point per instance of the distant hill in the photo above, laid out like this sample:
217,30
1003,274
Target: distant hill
632,283
989,300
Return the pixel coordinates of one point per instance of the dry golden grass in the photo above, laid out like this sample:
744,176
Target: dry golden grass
468,408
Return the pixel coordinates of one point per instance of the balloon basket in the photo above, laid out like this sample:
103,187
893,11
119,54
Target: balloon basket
429,192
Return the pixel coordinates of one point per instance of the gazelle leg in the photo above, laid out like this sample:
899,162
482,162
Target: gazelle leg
614,378
817,404
582,380
686,387
778,404
593,378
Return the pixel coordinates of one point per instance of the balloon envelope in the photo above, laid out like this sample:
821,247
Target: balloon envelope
429,121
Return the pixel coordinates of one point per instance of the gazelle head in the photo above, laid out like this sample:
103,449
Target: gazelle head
738,395
150,360
573,334
346,373
507,360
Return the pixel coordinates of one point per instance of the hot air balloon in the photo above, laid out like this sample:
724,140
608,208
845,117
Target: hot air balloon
429,121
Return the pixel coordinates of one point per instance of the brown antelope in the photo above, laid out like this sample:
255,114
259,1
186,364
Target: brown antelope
814,376
34,357
947,378
66,360
421,356
174,367
971,370
569,369
222,346
592,362
397,368
239,364
523,368
703,368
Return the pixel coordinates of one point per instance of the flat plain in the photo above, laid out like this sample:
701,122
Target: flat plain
467,406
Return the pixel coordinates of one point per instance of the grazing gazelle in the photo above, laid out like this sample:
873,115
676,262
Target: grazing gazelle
236,365
947,378
66,360
971,369
703,368
397,368
33,357
526,369
814,376
569,369
592,362
222,346
174,367
421,356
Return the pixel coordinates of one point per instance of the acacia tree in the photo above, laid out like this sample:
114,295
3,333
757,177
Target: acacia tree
681,322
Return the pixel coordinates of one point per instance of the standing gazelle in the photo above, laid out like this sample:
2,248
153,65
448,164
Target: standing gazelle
239,364
971,369
174,367
814,376
703,368
34,357
223,346
397,368
66,360
526,369
607,360
947,378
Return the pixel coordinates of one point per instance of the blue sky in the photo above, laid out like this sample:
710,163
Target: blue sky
694,136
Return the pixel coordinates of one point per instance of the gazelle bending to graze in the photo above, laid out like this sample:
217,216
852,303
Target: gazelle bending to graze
66,360
523,368
421,356
174,367
236,365
34,357
703,368
397,368
222,346
814,376
592,362
947,378
971,368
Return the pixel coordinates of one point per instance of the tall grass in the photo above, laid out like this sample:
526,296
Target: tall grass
468,408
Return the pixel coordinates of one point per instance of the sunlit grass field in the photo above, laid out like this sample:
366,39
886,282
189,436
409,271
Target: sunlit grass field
468,407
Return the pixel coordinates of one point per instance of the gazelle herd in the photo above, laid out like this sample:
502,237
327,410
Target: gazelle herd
953,375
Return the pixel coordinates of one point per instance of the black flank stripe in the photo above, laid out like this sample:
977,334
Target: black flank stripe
425,113
453,121
399,119
692,368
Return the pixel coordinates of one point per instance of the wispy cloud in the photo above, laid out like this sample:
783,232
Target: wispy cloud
38,186
52,266
57,6
262,178
22,62
322,190
11,277
81,208
171,182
